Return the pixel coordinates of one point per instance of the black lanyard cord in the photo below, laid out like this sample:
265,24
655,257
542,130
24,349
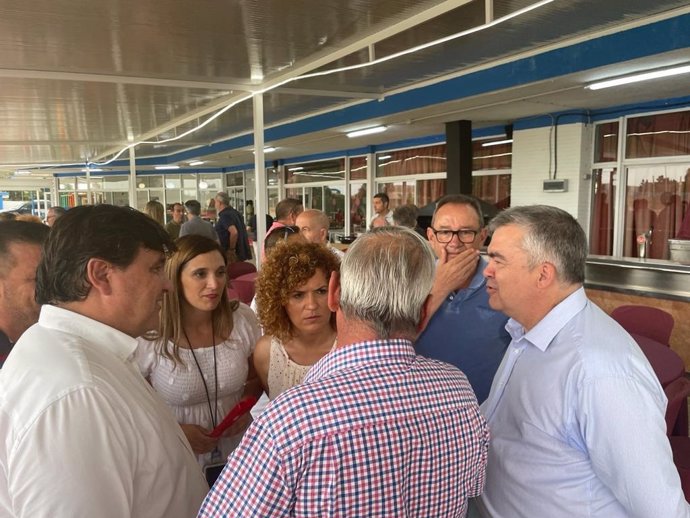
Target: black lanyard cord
214,415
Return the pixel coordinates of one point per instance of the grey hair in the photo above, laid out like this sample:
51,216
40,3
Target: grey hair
551,234
385,277
223,198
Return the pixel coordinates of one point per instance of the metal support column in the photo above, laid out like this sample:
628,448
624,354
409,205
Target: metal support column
132,179
459,157
260,183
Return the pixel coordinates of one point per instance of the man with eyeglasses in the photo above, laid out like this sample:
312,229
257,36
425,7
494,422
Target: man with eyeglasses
463,330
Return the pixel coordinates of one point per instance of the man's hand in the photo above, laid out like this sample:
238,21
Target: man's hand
451,275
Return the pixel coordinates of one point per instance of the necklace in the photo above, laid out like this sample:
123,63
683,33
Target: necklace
214,415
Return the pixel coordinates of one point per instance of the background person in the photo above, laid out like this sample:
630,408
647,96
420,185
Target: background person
82,433
374,430
299,328
200,362
463,330
194,223
231,231
576,411
406,216
381,202
173,226
313,225
54,213
155,210
20,251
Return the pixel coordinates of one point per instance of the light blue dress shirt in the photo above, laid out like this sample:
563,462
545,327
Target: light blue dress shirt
576,416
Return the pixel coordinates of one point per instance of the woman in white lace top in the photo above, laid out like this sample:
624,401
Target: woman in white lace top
292,301
200,360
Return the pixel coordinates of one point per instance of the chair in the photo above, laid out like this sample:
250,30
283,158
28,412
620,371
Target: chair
245,287
677,393
240,268
680,446
647,321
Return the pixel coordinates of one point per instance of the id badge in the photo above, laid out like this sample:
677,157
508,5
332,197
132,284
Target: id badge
215,466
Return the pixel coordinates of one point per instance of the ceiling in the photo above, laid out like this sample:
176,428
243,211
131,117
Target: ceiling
81,80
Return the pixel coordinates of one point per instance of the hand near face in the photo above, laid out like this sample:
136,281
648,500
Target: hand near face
198,438
455,273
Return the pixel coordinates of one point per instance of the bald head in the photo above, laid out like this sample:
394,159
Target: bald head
313,225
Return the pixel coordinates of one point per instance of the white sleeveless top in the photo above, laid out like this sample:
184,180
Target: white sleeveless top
283,373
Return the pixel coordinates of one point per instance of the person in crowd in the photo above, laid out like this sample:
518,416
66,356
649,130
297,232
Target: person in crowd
374,430
299,328
313,225
82,433
20,251
406,216
175,224
381,202
287,211
54,213
463,329
576,412
155,210
231,231
199,360
194,223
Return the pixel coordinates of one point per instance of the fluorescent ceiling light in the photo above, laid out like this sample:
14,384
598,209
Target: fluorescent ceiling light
196,162
367,131
90,170
636,78
19,173
384,157
299,168
166,167
497,142
269,149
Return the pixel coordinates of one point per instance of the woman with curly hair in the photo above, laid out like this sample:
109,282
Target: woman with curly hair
199,360
292,300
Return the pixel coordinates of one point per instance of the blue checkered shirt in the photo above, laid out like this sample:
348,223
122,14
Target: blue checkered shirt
374,431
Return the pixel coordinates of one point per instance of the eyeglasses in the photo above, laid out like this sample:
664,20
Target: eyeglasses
465,235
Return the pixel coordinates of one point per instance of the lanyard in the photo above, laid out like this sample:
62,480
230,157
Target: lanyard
214,415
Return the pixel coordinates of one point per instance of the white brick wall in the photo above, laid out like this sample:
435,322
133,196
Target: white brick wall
532,165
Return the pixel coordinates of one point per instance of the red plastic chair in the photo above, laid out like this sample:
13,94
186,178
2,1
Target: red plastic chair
647,321
245,287
677,393
240,268
681,458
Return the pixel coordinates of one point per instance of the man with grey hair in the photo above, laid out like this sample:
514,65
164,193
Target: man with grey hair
374,430
576,412
231,230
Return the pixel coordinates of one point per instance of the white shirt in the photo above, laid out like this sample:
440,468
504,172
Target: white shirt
81,432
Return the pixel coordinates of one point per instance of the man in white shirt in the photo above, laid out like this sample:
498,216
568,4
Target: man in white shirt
81,432
381,202
313,225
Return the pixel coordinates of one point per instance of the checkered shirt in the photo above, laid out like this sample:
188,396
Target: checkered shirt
374,431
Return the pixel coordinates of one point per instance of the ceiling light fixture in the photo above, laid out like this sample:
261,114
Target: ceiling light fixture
367,131
385,157
497,142
90,170
166,167
269,149
299,168
636,78
22,172
196,162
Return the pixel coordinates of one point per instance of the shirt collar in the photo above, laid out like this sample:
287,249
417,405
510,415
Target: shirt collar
361,353
96,333
548,327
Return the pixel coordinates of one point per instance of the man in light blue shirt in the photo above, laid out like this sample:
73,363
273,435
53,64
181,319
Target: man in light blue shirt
576,413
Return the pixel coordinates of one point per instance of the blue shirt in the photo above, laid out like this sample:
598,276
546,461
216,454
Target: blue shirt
467,333
576,415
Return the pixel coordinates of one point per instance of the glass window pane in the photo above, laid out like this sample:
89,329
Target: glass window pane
499,156
428,191
606,142
116,183
358,168
666,134
358,207
657,200
493,189
415,161
603,207
325,170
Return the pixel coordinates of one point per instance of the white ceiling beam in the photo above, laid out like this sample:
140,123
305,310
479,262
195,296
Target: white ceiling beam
327,93
14,73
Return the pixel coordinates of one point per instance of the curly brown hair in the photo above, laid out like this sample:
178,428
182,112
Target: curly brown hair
287,267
